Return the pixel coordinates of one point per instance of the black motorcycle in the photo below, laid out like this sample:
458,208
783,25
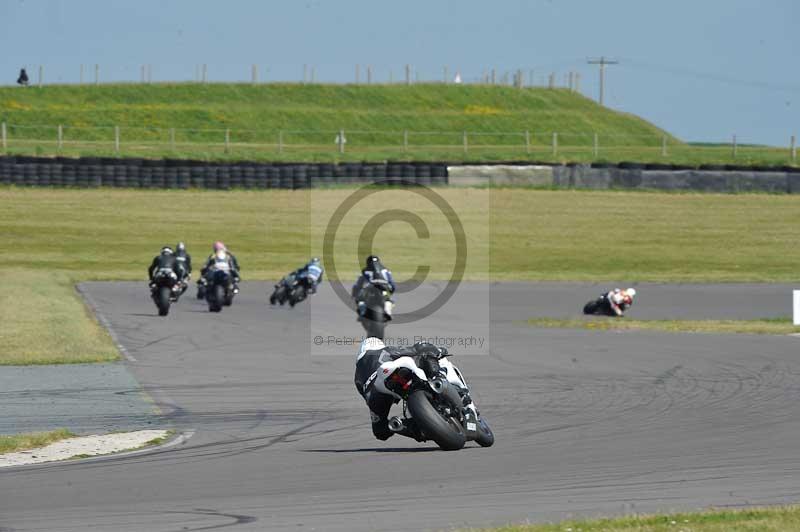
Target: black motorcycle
219,290
440,407
280,294
165,290
599,307
374,306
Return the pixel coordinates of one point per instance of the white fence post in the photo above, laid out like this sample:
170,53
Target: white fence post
341,141
4,135
555,143
794,150
734,147
41,75
527,142
227,141
664,146
596,147
116,139
60,137
466,144
280,141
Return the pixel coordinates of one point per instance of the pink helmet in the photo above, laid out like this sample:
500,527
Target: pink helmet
219,246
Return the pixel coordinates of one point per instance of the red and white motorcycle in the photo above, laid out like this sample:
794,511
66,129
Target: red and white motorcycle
436,405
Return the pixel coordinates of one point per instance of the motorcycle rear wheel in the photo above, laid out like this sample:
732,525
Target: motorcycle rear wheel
215,298
163,301
447,433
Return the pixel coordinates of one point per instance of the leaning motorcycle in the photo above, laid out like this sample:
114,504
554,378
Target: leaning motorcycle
280,294
374,307
164,289
219,290
438,407
600,306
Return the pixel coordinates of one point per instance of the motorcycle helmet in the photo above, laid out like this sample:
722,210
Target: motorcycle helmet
630,293
181,247
166,250
218,246
315,260
373,263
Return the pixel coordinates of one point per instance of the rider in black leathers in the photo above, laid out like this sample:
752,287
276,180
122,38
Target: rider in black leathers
164,260
184,264
372,355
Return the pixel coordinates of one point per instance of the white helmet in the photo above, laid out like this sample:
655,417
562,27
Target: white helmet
631,292
370,344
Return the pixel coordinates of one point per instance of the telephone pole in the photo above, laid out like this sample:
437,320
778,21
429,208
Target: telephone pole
602,62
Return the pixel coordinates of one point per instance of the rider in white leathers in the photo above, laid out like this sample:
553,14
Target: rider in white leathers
375,362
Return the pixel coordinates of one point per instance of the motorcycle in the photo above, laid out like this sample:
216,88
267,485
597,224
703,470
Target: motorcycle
437,406
165,289
219,290
374,307
600,307
201,288
281,293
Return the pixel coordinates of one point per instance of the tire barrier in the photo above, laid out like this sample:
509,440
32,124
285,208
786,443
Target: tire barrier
93,172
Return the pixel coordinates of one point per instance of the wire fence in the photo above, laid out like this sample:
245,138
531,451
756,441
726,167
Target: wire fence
277,143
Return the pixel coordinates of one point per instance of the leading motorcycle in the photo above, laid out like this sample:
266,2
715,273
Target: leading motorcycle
165,288
437,406
374,307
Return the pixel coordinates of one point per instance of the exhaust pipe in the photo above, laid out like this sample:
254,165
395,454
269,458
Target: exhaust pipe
438,385
396,424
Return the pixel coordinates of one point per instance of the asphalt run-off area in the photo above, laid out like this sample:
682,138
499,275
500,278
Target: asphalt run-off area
587,422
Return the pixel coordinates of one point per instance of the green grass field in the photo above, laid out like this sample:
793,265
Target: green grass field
304,120
775,519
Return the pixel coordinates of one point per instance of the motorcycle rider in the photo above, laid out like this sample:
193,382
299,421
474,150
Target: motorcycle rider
222,255
312,272
375,362
184,265
165,260
373,272
621,300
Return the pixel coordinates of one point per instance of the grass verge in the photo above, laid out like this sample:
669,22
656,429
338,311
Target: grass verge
23,442
45,322
758,326
772,519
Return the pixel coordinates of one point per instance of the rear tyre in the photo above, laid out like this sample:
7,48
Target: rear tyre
485,435
215,298
591,307
374,329
163,301
447,433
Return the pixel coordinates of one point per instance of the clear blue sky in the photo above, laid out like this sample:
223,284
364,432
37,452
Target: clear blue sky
701,69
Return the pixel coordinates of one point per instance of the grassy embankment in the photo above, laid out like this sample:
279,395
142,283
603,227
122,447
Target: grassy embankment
373,117
23,442
776,519
54,238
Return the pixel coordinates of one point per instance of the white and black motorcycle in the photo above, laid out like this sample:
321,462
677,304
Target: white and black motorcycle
436,406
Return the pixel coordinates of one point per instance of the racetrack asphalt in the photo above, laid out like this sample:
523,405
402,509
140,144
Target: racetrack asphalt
587,423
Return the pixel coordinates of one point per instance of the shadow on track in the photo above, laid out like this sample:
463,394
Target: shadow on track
375,450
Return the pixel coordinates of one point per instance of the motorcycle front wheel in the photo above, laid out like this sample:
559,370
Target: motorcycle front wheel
446,432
